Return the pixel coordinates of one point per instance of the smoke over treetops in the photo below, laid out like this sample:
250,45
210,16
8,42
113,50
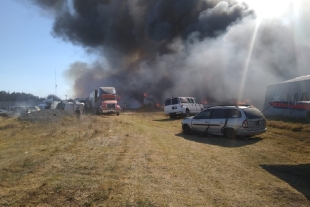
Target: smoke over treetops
180,47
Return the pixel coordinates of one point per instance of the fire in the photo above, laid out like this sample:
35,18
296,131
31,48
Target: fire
144,94
245,102
204,102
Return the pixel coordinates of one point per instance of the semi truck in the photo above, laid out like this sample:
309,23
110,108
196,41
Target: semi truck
103,101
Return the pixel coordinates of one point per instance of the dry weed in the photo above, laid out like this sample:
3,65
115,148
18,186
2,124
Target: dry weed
142,159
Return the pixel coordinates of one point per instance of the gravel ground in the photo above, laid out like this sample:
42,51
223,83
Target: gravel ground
47,115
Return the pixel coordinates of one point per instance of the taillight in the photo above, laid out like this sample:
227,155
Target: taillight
245,124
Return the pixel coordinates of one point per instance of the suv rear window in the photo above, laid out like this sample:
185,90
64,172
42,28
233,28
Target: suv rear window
168,102
175,101
253,113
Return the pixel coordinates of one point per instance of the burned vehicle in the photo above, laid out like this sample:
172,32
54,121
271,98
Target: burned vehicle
228,121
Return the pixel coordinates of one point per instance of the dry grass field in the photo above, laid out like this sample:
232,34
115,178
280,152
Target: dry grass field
143,159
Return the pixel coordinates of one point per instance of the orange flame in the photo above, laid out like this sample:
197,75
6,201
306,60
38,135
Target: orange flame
204,102
245,102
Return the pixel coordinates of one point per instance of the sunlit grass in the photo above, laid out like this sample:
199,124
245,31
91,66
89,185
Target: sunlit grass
143,159
296,127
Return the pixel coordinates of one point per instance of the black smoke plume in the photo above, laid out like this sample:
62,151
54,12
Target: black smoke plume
177,48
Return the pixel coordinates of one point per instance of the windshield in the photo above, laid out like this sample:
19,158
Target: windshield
108,97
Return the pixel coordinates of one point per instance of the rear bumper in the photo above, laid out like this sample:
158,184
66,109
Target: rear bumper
246,132
175,113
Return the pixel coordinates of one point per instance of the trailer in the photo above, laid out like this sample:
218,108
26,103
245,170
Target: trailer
103,101
290,98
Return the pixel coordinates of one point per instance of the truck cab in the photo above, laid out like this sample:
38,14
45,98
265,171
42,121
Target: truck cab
104,100
109,104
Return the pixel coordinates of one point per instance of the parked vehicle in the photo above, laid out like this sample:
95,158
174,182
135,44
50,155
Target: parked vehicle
42,106
4,113
11,108
34,108
229,121
103,101
72,106
50,103
22,110
182,106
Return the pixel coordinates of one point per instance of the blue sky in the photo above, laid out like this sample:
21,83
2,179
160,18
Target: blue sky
30,56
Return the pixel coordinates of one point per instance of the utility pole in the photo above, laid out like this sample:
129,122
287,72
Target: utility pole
55,85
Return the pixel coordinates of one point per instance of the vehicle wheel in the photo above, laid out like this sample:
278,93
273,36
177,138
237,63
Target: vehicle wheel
172,116
230,133
186,129
187,113
117,113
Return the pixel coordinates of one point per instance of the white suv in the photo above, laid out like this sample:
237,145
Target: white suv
182,106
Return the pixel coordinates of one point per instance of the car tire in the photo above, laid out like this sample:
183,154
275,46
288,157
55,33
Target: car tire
186,129
117,113
230,133
187,113
172,116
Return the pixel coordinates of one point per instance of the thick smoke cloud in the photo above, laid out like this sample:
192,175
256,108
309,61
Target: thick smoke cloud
179,48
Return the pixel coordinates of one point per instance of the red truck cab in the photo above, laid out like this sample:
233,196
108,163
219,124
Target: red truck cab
109,104
103,100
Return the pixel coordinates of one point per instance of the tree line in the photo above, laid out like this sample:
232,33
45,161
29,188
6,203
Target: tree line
16,96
